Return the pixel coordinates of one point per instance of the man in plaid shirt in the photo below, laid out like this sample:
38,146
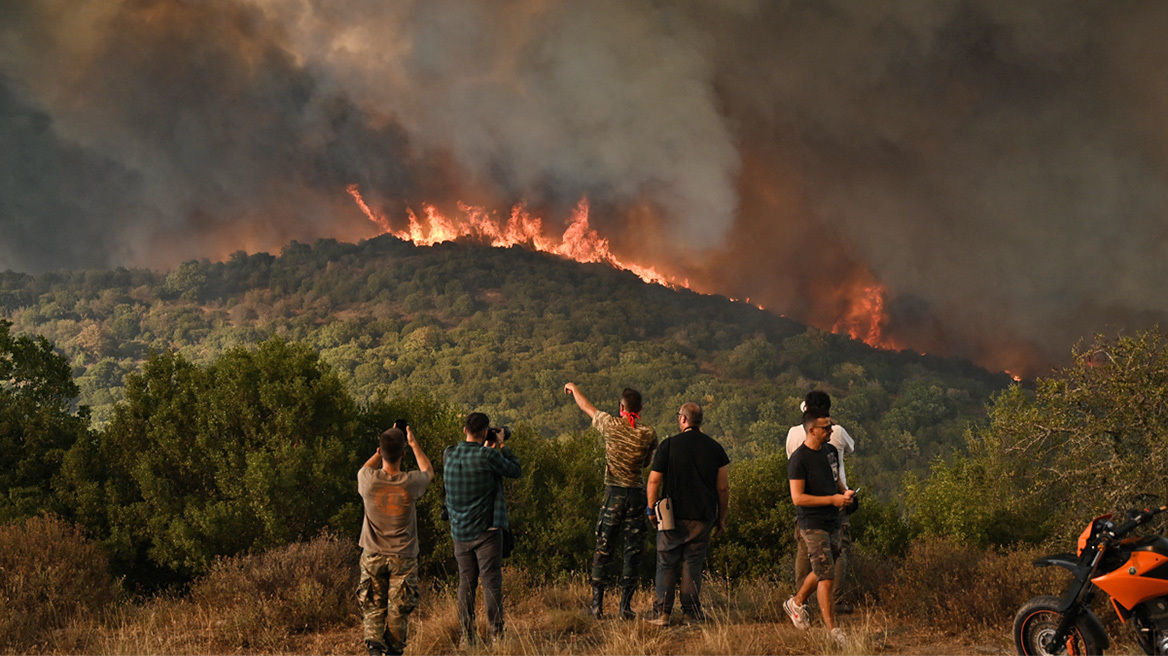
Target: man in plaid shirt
473,472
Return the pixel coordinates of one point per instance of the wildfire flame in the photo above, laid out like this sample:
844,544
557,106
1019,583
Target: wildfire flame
580,242
864,319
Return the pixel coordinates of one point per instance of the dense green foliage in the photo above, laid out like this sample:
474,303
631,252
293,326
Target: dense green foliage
502,330
235,400
251,451
37,424
1088,441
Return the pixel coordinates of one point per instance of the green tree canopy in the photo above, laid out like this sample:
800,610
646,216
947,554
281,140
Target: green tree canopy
254,450
1089,440
37,424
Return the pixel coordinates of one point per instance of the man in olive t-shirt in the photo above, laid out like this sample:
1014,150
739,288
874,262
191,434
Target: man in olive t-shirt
628,449
388,590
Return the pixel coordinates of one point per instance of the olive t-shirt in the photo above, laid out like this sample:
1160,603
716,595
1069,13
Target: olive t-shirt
625,448
391,518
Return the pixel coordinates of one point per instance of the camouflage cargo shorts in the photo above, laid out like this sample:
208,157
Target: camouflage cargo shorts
823,547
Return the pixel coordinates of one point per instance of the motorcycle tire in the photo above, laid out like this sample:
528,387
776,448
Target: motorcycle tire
1038,619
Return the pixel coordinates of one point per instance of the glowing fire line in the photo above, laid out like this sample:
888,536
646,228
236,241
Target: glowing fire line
864,320
579,242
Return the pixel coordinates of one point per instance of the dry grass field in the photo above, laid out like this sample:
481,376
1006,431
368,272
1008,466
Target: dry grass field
941,598
541,619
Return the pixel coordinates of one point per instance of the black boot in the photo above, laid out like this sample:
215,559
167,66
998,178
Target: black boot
626,604
597,607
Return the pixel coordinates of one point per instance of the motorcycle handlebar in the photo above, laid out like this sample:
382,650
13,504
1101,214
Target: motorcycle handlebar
1140,517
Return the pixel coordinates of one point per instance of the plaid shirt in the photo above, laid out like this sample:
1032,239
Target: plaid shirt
473,477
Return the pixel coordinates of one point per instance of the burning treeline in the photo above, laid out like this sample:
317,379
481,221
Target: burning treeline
864,319
932,176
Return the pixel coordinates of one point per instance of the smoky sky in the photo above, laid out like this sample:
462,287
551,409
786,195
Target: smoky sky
998,168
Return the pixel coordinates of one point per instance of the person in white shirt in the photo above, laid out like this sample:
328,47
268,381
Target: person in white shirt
843,443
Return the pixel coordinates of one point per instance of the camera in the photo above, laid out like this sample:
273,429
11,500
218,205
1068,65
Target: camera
493,434
401,425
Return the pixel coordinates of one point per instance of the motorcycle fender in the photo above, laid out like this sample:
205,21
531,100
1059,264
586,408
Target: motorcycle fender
1095,628
1078,569
1067,560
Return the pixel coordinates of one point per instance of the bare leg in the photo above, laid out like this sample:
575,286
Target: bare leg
823,594
809,585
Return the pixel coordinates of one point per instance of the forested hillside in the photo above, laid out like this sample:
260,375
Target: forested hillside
501,330
237,399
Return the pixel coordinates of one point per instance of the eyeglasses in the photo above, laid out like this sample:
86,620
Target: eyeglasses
827,428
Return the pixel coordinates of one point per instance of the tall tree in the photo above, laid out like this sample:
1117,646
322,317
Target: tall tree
252,451
37,423
1088,440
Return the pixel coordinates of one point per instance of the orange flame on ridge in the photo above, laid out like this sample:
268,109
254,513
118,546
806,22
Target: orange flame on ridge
864,319
580,242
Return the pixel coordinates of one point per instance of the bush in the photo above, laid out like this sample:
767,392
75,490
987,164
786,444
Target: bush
264,599
50,575
955,586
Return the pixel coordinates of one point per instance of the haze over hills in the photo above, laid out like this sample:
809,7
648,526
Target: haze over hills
501,330
961,159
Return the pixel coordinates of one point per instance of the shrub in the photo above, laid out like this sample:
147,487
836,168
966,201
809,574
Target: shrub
956,586
50,575
263,599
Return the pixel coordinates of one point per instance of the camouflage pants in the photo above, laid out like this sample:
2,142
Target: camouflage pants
623,512
386,595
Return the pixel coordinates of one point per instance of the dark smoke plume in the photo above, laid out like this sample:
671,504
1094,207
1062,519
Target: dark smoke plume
999,168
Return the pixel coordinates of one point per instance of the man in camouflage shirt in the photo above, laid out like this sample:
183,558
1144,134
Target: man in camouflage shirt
628,449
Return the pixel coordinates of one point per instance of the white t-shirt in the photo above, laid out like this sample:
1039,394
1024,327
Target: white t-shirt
840,439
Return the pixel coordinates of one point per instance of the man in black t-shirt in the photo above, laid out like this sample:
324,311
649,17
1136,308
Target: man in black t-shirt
818,495
692,469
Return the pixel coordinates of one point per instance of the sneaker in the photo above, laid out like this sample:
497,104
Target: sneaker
699,618
659,620
837,634
797,613
374,648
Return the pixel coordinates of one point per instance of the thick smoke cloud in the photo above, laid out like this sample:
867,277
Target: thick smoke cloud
998,168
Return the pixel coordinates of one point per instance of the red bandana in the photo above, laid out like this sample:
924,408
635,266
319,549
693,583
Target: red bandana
631,416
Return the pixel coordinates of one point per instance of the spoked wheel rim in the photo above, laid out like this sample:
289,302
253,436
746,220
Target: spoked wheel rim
1038,630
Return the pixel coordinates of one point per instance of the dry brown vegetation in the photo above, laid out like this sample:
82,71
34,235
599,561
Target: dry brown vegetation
941,598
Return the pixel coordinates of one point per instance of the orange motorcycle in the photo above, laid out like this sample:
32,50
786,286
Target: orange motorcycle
1134,571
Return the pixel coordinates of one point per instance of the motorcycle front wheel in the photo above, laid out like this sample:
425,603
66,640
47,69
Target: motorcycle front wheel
1037,621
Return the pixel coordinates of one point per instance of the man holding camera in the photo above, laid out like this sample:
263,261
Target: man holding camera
628,449
473,472
388,590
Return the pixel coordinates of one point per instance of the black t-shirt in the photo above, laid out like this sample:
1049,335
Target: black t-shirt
820,472
690,462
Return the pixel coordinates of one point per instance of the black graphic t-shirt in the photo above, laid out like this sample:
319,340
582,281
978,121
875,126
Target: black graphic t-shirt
820,471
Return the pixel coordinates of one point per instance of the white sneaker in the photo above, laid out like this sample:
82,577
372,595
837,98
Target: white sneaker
837,634
797,613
